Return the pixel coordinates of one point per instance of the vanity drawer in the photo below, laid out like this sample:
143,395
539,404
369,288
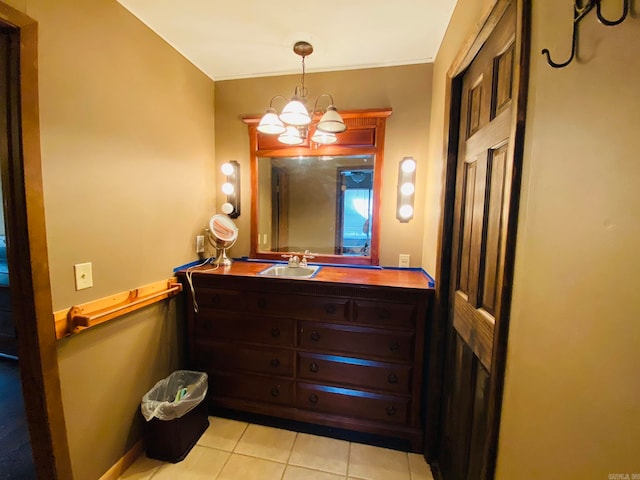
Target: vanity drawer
251,387
270,331
232,357
385,313
218,299
352,403
355,340
354,371
299,306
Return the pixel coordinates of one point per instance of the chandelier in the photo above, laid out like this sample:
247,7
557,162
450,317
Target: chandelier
294,123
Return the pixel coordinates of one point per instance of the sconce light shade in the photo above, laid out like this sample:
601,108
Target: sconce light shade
228,188
295,113
406,189
331,121
231,188
405,213
270,123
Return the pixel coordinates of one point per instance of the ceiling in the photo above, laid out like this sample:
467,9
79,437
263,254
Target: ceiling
254,38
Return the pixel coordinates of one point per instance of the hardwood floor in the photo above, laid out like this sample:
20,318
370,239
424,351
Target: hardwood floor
16,460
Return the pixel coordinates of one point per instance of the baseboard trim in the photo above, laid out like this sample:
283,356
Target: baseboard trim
125,462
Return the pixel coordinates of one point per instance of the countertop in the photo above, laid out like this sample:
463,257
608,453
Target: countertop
388,277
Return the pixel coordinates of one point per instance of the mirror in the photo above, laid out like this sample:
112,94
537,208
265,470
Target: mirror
320,204
324,199
223,234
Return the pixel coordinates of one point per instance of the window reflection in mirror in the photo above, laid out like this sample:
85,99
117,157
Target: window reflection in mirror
321,204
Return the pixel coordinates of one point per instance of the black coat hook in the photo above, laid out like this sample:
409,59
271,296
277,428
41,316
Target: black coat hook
610,23
580,10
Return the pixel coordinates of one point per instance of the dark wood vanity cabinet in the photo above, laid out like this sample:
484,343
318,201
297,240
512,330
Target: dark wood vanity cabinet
334,354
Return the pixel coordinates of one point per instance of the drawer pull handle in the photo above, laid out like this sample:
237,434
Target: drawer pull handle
262,303
313,366
275,363
391,411
275,392
394,347
330,308
215,299
313,398
392,378
275,332
315,336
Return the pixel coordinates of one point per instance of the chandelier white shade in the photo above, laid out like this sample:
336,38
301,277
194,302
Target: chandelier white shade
295,113
324,138
291,136
271,124
331,121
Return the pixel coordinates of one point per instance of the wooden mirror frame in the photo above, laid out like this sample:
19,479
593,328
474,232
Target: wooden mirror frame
364,136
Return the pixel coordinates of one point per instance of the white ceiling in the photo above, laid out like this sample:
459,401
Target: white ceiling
254,38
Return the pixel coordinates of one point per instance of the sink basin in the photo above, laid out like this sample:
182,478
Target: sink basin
286,271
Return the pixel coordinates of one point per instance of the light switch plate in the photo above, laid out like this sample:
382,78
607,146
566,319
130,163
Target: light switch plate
84,275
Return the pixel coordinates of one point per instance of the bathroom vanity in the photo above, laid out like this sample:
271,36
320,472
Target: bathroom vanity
344,349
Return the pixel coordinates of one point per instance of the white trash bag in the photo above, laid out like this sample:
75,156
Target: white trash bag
174,396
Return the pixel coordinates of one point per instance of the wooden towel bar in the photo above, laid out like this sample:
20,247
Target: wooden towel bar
90,314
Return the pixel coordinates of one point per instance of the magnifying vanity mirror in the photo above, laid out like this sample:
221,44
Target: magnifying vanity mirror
319,198
223,234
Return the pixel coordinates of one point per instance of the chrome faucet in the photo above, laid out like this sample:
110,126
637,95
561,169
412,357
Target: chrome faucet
294,260
306,256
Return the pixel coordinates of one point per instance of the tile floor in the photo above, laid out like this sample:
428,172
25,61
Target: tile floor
233,450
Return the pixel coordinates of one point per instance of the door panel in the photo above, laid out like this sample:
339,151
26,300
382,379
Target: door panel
484,171
493,243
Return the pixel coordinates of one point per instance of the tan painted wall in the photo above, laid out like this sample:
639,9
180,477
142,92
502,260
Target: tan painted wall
571,395
464,19
406,89
128,172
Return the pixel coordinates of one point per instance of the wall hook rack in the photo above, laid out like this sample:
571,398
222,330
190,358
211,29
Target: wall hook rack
580,9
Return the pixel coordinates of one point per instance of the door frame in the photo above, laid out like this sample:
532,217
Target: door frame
453,100
28,258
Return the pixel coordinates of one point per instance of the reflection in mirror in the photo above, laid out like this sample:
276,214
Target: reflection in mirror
322,204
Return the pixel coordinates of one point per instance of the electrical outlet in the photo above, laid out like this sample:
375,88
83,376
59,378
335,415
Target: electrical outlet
200,244
84,275
404,260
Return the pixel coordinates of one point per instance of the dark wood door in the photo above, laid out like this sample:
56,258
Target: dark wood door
484,177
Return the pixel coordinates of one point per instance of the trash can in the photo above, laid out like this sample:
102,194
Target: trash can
176,415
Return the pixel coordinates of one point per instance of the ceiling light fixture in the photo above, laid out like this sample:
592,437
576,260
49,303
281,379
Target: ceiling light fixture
294,123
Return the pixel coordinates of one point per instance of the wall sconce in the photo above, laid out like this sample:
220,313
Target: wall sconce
231,188
406,189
